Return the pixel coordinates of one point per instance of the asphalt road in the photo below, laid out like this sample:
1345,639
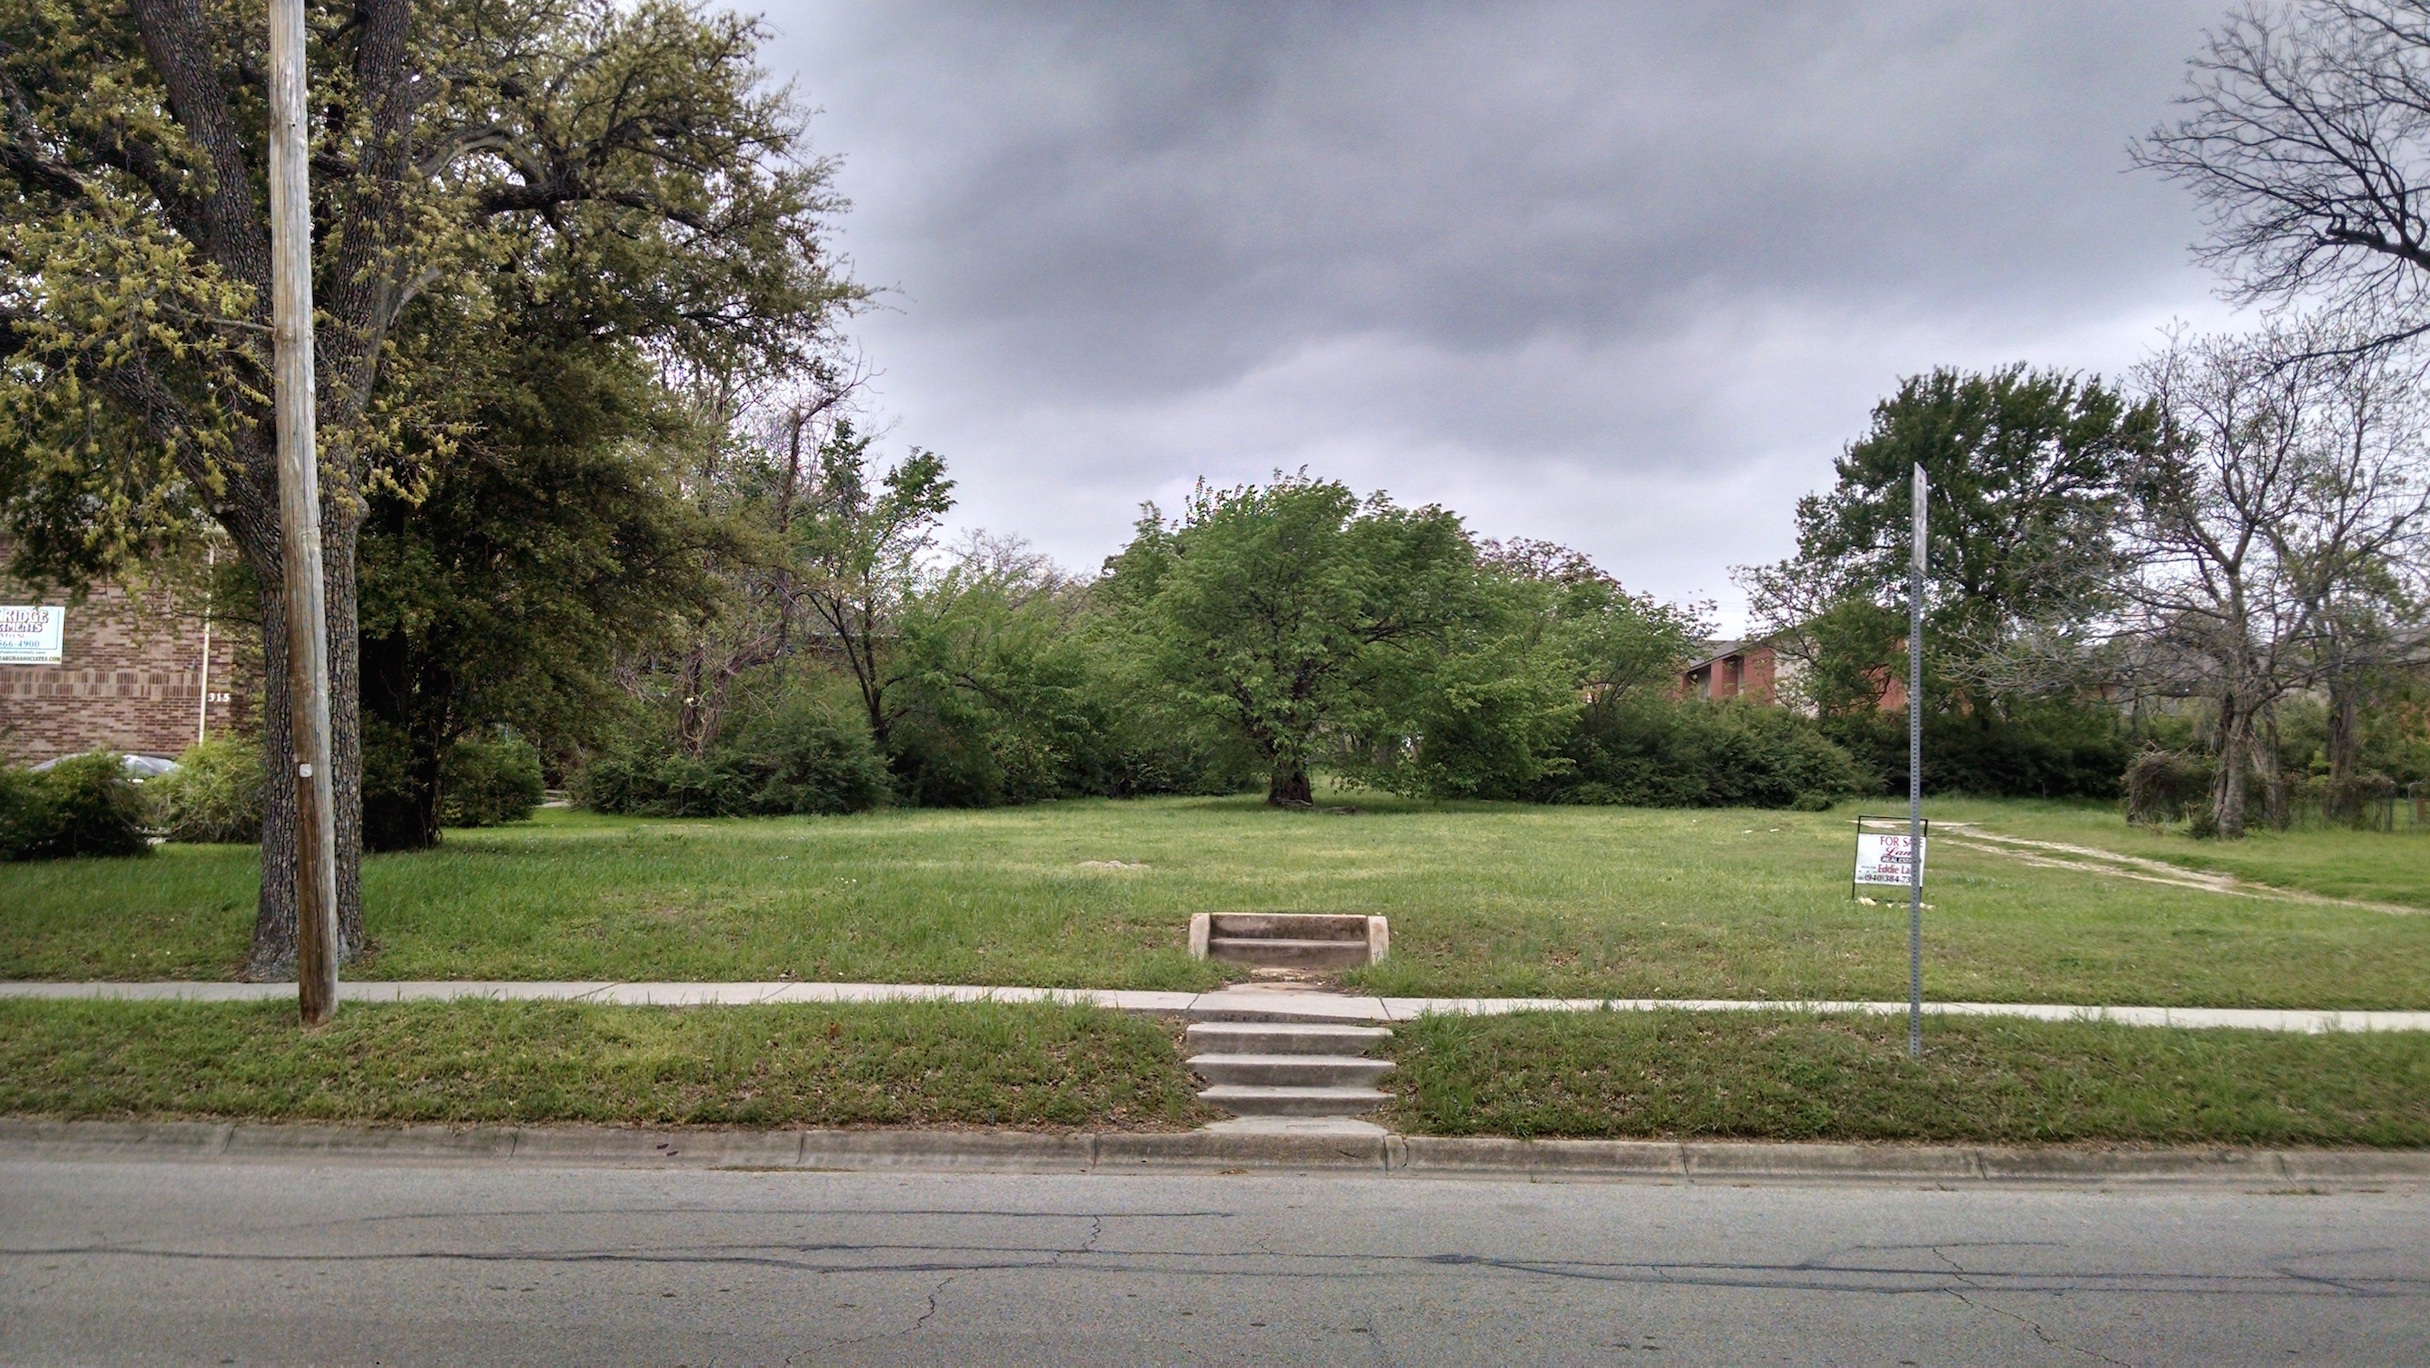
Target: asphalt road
292,1261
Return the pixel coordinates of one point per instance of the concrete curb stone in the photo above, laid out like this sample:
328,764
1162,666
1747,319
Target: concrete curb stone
1415,1157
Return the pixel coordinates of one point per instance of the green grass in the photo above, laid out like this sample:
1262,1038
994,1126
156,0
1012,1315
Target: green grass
1489,899
1773,1076
924,1064
1787,1077
2391,867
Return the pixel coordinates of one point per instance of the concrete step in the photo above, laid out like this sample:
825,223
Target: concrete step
1243,1100
1274,951
1296,1070
1282,1037
1291,925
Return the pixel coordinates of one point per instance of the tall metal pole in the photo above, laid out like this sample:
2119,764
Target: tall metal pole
1915,774
299,523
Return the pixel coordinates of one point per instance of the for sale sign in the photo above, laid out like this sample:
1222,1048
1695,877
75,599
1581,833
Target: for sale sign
1882,858
31,635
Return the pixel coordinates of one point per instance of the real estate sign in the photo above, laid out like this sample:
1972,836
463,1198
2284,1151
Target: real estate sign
31,635
1886,859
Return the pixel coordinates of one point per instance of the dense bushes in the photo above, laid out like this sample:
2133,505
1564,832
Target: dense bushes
214,794
82,805
490,781
1654,752
800,757
2033,751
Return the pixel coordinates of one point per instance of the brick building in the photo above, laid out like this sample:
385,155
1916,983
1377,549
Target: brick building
1754,669
133,675
1750,669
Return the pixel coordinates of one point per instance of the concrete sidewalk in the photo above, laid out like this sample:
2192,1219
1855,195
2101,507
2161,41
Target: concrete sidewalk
1267,1003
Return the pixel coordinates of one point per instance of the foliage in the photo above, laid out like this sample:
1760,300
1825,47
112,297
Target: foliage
2276,539
2026,470
799,757
1308,624
2033,748
2028,475
215,793
81,805
1011,686
624,158
1649,751
490,781
544,546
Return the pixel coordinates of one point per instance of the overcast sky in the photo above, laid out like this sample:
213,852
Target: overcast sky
1622,276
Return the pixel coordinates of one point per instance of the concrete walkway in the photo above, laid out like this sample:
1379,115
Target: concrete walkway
1266,1003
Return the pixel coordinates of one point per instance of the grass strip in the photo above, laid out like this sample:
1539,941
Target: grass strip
1794,1077
897,1064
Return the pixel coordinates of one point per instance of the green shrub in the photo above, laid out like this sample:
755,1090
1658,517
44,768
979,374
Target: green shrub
489,781
83,805
1655,752
797,758
2046,750
215,793
802,758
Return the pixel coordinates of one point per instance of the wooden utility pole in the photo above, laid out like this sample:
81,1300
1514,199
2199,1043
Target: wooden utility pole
299,523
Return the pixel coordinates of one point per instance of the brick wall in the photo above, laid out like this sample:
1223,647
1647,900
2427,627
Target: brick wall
130,678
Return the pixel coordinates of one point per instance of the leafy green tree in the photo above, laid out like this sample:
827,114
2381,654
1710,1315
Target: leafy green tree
856,546
2027,470
545,544
631,149
1310,624
2028,473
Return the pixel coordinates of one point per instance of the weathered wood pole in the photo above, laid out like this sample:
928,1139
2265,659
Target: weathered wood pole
299,523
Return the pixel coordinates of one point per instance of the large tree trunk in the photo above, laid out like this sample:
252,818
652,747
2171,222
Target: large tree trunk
273,953
1288,786
2275,812
2228,786
345,721
2345,749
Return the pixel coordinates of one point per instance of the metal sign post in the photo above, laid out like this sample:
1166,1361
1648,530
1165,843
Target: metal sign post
299,522
1915,773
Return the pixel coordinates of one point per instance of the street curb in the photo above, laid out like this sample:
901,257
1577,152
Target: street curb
1118,1152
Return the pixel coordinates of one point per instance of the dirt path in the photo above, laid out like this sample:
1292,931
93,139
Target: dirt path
2093,860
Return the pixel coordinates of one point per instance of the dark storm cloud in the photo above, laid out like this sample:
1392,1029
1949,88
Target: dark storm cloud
1622,275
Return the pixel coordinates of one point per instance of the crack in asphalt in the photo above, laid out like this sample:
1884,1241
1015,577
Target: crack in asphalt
1958,1271
1877,1277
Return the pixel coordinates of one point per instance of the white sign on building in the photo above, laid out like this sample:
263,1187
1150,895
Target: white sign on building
31,635
1886,859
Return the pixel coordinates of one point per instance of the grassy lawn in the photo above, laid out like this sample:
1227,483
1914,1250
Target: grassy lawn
1794,1077
2392,867
1484,899
921,1064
